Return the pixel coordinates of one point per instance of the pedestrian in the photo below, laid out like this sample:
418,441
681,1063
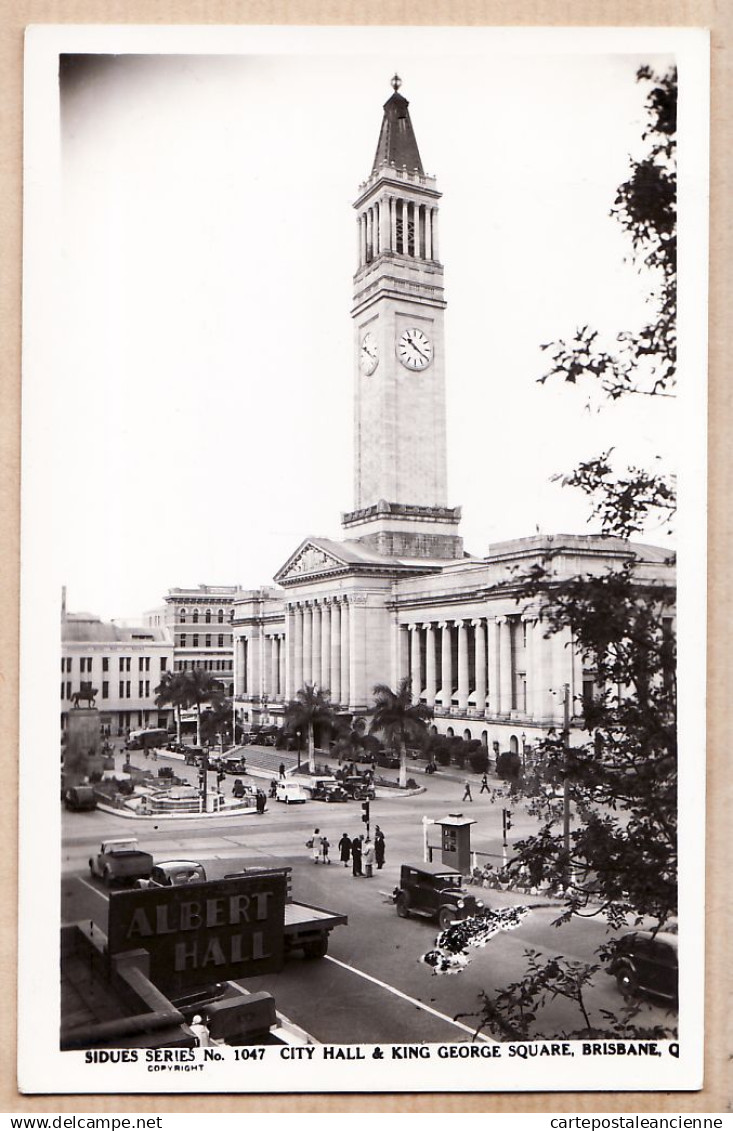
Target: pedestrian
325,845
467,792
379,846
315,844
200,1030
356,856
484,784
368,858
261,801
345,849
281,771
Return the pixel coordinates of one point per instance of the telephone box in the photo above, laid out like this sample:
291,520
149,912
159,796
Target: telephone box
455,841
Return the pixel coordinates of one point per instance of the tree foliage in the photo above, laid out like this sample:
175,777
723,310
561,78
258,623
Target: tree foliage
618,858
310,708
399,721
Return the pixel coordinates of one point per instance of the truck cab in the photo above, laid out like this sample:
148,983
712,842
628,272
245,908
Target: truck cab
434,892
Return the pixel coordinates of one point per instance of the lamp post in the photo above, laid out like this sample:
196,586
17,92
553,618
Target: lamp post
524,750
298,734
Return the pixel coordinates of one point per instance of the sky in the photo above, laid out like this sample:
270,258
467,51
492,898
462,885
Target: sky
200,390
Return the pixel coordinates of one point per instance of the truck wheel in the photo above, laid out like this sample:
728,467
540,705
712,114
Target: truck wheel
446,915
627,982
403,906
316,949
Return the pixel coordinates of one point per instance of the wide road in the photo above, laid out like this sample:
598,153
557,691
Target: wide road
371,987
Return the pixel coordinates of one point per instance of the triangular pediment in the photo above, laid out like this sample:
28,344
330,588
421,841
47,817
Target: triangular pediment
309,560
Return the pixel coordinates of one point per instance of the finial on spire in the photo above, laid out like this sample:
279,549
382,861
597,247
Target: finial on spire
396,82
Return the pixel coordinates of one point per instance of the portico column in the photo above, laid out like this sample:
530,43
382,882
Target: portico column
282,660
307,644
335,652
430,675
495,702
505,662
316,652
274,666
415,661
480,664
529,660
446,668
345,682
403,652
463,665
297,650
326,646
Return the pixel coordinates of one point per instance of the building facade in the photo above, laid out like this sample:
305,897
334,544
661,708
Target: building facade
398,596
199,621
123,664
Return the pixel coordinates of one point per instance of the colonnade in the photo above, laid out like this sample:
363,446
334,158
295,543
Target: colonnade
319,646
499,665
395,224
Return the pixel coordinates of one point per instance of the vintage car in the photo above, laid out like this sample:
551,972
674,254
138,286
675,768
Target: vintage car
120,861
193,755
232,764
434,892
646,963
327,789
171,873
80,797
291,792
358,788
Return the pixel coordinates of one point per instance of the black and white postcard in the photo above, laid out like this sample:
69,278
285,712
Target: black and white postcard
363,600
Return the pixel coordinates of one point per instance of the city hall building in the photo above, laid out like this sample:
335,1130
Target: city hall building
397,595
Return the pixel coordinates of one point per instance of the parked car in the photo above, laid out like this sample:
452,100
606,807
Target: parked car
290,792
435,892
232,764
388,761
358,788
327,789
646,963
80,797
121,861
171,873
193,755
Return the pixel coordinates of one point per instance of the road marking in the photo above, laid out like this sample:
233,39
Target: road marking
102,895
412,1000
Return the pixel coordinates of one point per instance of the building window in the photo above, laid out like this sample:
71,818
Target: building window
105,663
140,689
68,689
163,663
127,689
105,689
140,663
220,616
208,640
221,641
196,616
122,689
147,688
208,616
182,616
62,689
195,640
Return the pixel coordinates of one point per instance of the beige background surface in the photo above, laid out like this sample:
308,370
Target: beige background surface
717,1095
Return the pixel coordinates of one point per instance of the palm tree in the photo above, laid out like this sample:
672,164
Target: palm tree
310,707
216,723
396,718
201,687
172,691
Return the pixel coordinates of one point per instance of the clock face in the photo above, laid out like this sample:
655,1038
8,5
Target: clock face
414,349
369,354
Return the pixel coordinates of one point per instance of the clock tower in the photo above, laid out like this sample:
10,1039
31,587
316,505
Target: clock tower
400,488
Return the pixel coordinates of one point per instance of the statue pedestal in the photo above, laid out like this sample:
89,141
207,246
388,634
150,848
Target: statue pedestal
83,744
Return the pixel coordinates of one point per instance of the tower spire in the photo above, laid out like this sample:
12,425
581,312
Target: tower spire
397,145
